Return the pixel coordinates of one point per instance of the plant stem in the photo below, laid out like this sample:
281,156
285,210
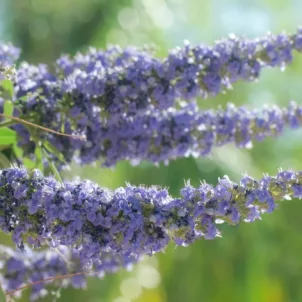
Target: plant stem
19,120
52,166
6,124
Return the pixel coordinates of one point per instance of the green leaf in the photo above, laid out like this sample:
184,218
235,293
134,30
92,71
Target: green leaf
53,150
28,163
2,296
3,147
8,107
18,151
4,162
8,89
7,136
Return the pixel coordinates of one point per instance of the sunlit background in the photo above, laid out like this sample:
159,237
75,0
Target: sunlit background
252,262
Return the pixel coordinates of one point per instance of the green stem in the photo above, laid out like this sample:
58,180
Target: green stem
52,166
6,124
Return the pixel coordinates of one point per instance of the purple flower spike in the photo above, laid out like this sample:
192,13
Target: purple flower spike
131,80
163,136
132,221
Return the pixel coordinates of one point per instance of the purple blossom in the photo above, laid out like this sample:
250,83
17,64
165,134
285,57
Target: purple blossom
8,55
132,221
162,136
298,40
131,80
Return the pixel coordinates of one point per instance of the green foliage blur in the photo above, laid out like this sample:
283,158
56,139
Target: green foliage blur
260,261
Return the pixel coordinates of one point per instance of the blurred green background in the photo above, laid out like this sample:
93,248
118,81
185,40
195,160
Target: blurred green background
252,262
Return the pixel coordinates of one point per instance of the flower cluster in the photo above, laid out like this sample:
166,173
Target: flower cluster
130,80
161,136
131,105
131,221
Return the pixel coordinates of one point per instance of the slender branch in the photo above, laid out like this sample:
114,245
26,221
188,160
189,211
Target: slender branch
46,280
19,120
